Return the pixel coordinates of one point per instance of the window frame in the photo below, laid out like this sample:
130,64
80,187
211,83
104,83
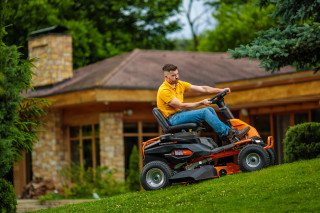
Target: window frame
140,135
81,138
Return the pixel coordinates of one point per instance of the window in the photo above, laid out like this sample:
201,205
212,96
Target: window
262,125
277,124
135,133
85,145
301,118
315,114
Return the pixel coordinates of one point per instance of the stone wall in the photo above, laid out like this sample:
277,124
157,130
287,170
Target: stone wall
55,58
112,145
50,154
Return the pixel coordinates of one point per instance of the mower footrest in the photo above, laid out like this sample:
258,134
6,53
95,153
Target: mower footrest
222,148
205,172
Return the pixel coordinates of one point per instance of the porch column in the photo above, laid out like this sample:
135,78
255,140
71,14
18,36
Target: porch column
111,142
49,156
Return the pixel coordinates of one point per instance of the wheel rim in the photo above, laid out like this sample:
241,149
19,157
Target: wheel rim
253,160
155,177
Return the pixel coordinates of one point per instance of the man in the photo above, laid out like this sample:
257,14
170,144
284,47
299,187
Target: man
170,103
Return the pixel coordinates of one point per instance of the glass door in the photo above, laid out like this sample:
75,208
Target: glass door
282,124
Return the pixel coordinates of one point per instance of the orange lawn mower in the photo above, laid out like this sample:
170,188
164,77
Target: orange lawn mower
180,156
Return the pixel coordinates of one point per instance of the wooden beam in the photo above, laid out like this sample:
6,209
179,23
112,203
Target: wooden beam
267,96
103,95
74,98
19,175
128,95
285,108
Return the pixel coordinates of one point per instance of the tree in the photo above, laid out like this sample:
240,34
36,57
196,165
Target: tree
195,22
238,23
99,28
133,179
217,3
295,41
18,115
183,44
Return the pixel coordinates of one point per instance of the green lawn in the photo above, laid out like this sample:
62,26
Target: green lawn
291,187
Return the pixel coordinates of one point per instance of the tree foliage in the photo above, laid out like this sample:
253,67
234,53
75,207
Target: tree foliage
99,28
218,3
295,41
133,179
238,23
18,115
8,201
302,142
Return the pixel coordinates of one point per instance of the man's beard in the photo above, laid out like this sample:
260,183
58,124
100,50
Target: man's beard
174,81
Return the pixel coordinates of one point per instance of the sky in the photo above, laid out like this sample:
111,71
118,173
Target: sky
206,22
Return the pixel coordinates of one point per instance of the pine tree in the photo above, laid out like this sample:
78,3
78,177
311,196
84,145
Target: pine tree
295,41
133,179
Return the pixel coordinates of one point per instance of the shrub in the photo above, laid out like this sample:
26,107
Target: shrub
8,202
50,196
82,183
18,115
5,157
302,142
133,179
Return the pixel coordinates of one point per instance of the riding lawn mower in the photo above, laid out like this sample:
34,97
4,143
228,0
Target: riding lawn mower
181,156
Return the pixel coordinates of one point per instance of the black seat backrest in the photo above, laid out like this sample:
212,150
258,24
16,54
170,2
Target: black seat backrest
161,120
166,128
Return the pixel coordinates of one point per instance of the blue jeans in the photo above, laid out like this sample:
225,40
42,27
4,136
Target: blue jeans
197,116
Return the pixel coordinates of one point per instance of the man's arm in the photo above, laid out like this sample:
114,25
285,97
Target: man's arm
176,103
206,89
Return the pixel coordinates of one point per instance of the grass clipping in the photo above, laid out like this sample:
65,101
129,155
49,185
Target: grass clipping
284,188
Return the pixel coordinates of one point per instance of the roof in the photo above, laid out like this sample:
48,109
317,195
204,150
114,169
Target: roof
142,69
49,30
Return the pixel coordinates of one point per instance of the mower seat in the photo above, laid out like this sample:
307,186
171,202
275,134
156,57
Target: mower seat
166,128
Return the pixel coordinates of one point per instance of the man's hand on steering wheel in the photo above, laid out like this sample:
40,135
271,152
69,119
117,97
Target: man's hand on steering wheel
206,102
226,89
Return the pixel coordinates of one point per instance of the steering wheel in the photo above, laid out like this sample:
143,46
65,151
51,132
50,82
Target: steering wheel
218,96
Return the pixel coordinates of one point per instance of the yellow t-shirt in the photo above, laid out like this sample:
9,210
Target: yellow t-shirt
167,93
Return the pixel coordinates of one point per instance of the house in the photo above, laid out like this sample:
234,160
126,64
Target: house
102,110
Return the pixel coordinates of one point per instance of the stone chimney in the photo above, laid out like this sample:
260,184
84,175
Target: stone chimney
53,47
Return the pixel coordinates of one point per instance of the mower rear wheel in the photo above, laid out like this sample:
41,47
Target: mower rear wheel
155,175
252,158
272,156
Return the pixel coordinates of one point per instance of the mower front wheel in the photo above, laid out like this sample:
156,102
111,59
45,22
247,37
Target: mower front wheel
155,175
252,158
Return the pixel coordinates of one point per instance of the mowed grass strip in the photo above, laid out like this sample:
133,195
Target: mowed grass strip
293,187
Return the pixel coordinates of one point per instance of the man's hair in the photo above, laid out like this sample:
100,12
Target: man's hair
169,67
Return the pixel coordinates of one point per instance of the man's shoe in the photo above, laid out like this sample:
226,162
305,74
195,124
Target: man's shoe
234,135
240,133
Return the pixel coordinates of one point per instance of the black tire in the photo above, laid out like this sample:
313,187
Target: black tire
155,175
252,158
272,156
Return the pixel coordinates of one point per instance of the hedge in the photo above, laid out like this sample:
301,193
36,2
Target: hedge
8,202
302,141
